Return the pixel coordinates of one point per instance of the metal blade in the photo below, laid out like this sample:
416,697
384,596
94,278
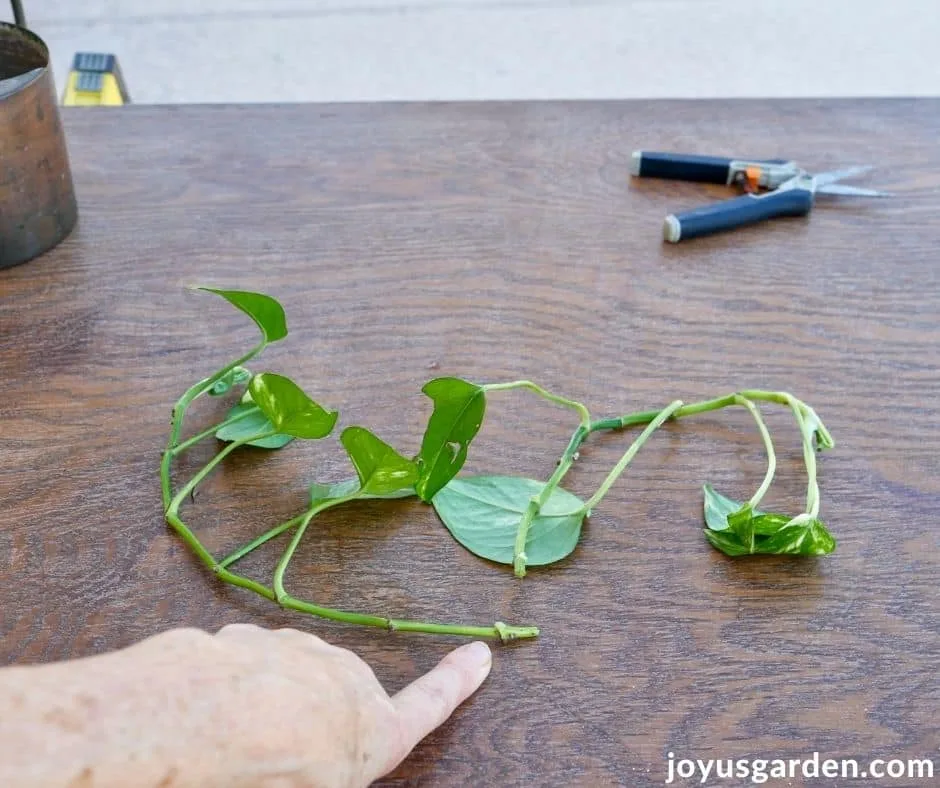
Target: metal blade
851,191
825,178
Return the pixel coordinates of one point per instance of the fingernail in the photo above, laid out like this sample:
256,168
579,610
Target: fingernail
479,653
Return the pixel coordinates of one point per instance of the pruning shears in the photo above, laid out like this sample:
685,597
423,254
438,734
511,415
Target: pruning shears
773,188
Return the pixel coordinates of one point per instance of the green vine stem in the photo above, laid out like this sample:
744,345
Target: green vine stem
654,419
499,629
535,504
179,411
538,501
745,398
277,593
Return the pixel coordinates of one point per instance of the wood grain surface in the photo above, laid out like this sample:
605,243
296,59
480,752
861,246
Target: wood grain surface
495,242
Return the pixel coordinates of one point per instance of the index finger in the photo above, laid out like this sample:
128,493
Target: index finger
427,702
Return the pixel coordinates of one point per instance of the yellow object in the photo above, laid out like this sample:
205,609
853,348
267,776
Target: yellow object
95,80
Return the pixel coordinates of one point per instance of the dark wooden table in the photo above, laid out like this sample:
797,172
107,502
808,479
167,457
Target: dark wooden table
495,242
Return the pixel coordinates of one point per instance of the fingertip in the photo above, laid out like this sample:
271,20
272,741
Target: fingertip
475,660
428,701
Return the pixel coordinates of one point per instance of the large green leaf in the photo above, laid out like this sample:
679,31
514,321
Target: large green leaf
328,492
381,469
458,412
483,514
267,312
289,409
256,423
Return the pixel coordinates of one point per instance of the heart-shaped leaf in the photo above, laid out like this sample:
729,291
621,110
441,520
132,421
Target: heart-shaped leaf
458,412
255,423
289,409
483,513
343,489
381,469
267,312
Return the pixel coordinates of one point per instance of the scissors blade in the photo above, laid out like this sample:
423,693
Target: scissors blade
852,191
825,178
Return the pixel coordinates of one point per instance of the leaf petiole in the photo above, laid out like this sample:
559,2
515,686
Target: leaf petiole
581,410
179,411
305,519
254,544
809,458
181,447
768,445
630,453
191,485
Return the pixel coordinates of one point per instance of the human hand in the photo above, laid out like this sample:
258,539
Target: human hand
244,707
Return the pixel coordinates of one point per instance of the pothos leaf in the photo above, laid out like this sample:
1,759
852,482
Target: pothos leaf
807,538
381,469
483,513
726,541
289,409
267,312
719,508
343,489
327,492
255,423
767,524
736,530
458,412
741,524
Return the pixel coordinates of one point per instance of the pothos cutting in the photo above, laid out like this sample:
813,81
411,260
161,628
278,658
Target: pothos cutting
506,519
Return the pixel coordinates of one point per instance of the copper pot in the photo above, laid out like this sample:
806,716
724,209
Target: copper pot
37,199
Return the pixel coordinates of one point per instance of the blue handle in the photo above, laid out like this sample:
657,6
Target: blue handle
688,166
738,212
681,166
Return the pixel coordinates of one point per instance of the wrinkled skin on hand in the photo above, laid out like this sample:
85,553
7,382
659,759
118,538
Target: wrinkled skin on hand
244,707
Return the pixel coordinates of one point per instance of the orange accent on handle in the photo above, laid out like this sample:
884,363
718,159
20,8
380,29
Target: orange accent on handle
752,178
